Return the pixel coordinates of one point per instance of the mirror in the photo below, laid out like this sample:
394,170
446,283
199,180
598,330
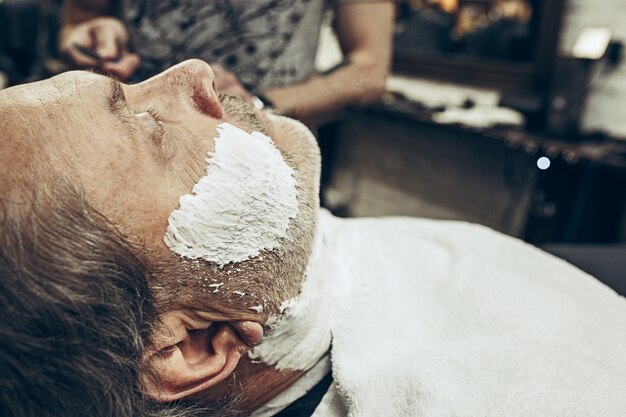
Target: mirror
503,43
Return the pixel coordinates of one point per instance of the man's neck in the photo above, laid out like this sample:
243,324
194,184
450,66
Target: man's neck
257,383
300,335
261,382
298,339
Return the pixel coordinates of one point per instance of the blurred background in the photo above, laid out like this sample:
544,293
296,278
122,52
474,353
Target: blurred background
508,113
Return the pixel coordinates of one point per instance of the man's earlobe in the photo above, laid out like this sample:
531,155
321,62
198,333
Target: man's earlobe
197,358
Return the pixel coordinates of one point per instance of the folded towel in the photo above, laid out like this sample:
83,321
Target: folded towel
442,318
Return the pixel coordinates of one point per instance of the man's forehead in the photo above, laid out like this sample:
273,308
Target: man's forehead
17,143
57,88
29,116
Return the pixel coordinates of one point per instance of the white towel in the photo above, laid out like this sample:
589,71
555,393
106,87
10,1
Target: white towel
452,319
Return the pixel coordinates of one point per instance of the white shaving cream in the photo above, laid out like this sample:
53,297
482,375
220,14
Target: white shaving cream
301,334
243,204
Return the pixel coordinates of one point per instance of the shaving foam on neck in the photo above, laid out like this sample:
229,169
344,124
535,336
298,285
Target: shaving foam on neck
301,334
242,206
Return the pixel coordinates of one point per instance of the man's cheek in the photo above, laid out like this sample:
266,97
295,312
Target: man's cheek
241,207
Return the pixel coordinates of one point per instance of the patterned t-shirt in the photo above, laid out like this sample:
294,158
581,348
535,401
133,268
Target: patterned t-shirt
266,43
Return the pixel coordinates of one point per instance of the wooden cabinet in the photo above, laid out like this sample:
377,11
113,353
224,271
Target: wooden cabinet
390,163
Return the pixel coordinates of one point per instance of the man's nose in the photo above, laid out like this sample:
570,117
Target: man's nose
188,85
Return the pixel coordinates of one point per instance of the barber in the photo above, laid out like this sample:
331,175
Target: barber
263,49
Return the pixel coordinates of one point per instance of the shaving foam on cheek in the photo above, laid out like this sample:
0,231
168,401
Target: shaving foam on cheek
243,204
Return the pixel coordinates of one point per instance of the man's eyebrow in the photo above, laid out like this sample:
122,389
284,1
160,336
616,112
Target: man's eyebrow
116,103
116,94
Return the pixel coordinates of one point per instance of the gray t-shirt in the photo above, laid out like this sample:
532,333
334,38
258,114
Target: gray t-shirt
266,43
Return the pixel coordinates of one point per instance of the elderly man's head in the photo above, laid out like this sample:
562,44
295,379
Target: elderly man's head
90,172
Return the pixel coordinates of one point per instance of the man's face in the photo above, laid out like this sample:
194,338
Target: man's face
135,149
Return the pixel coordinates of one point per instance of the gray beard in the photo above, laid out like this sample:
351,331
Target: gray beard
229,406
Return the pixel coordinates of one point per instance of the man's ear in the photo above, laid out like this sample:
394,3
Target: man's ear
196,355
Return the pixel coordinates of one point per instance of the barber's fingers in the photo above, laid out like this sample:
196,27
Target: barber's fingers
217,68
110,37
124,67
106,43
79,58
227,82
95,40
236,90
73,42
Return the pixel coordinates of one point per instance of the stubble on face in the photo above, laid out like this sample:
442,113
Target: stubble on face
241,112
255,287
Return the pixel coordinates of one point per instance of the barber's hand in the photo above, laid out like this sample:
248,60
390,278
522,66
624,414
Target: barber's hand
100,43
227,82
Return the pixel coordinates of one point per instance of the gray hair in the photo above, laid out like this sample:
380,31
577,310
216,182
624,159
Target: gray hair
76,312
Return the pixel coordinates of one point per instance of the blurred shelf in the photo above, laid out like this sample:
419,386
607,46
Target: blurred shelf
599,150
